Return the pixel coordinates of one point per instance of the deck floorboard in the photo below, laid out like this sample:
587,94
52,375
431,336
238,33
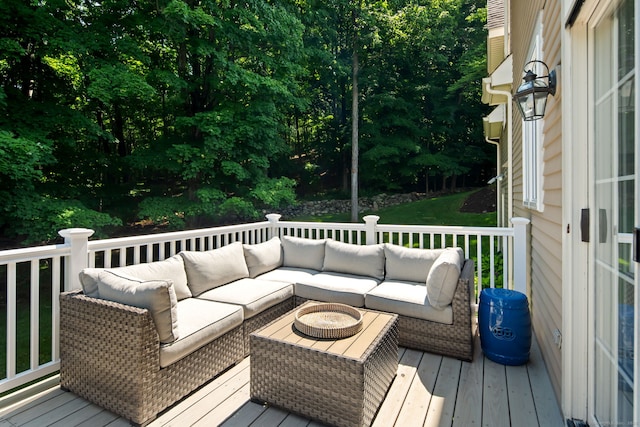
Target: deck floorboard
429,390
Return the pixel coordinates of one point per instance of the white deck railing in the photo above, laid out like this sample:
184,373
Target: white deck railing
31,279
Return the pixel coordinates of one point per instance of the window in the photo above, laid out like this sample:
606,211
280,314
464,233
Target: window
532,148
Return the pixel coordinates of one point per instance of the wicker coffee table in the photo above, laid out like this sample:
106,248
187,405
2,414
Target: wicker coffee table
341,382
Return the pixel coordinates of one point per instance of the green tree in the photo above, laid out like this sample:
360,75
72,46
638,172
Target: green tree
420,119
237,68
191,111
38,85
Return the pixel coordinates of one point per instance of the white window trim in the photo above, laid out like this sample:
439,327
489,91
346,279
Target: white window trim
533,138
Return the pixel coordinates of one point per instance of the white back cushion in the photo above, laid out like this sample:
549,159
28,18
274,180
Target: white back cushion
263,257
210,269
169,269
303,253
364,260
409,264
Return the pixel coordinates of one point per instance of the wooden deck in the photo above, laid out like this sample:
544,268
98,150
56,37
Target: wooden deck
428,390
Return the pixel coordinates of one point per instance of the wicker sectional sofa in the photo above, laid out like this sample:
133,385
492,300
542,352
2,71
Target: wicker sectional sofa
137,339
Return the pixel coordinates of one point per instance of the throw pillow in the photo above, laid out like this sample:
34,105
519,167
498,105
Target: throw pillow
442,279
364,260
303,253
157,296
209,269
170,269
263,257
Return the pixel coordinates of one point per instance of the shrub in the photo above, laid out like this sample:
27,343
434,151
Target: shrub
39,218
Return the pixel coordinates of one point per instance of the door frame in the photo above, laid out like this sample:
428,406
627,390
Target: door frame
576,152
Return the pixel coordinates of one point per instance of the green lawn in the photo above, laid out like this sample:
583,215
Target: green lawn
441,210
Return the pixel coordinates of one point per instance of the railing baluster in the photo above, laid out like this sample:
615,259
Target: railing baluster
466,245
505,260
34,314
55,308
136,254
492,262
122,260
11,319
480,263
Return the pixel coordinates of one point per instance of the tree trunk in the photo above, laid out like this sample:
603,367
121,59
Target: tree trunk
118,130
354,140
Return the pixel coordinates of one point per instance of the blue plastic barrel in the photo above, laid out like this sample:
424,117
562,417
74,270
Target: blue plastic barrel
505,326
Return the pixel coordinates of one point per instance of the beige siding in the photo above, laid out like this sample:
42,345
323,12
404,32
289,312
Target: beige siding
545,275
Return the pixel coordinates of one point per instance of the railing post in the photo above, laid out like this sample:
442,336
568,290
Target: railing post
370,228
273,226
78,239
520,254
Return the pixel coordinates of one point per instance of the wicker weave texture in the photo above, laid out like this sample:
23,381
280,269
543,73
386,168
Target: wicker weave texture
330,388
258,321
109,355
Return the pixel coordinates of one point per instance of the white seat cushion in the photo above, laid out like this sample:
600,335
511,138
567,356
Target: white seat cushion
336,287
253,295
288,274
407,299
201,322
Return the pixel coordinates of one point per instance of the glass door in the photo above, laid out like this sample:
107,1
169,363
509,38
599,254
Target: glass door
615,215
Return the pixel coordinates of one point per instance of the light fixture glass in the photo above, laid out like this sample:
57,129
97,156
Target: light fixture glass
531,96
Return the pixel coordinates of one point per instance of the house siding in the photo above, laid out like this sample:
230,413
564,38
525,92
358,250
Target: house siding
545,272
495,14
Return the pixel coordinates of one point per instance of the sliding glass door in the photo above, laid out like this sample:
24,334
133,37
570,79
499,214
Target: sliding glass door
615,212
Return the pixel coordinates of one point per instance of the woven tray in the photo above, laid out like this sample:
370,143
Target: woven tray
330,320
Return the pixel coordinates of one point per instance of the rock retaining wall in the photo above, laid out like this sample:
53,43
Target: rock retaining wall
370,204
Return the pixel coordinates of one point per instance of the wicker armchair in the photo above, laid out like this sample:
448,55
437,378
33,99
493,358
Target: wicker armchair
109,355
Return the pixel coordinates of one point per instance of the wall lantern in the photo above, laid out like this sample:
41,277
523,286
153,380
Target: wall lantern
531,96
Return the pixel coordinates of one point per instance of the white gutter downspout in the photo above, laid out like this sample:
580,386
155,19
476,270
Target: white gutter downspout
509,144
498,186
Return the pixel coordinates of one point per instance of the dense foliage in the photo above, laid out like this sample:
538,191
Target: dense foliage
191,111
